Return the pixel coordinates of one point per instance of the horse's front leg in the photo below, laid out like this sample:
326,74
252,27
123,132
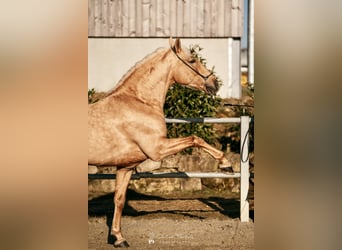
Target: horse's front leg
217,154
172,146
123,176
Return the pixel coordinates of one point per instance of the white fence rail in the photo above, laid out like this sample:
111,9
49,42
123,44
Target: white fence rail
244,162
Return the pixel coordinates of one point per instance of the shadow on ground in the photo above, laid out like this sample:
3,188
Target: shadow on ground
216,207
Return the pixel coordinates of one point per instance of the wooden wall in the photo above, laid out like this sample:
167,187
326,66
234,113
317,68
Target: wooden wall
162,18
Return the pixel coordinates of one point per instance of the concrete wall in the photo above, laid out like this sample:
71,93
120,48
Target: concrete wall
110,58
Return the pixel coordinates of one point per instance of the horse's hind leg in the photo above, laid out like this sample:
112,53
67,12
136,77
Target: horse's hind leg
123,176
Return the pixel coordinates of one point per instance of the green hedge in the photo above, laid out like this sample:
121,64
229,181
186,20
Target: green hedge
182,102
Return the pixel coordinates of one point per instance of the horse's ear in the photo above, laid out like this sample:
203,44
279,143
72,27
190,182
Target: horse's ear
171,42
178,45
175,44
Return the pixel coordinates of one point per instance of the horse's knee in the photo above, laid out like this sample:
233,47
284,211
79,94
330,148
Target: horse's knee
197,140
155,156
119,200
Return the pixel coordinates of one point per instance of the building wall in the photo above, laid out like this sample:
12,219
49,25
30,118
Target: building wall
110,59
164,18
122,32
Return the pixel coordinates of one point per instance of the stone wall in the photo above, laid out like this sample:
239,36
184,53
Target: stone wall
199,161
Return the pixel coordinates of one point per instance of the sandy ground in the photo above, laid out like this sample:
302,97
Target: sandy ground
203,220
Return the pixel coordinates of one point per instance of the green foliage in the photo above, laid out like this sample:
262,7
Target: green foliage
91,93
182,102
194,50
94,96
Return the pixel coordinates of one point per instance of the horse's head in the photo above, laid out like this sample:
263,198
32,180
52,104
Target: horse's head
191,72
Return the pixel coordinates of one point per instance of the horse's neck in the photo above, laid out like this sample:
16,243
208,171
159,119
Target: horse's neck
148,83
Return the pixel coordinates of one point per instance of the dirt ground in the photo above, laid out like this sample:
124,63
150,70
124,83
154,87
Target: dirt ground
202,220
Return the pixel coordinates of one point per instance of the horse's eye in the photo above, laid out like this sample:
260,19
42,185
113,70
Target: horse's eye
192,60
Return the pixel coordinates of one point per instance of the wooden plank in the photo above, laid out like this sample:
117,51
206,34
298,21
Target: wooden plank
234,17
186,18
173,18
145,18
114,18
111,16
179,18
120,17
152,18
159,18
239,21
106,14
227,17
207,18
124,16
98,17
139,18
220,18
166,18
131,18
214,16
200,19
193,18
91,18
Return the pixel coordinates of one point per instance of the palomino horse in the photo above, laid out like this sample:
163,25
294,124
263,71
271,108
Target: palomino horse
128,126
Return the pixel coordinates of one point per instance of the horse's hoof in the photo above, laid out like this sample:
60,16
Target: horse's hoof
121,244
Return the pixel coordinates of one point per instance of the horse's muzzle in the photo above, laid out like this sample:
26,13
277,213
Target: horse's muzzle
212,87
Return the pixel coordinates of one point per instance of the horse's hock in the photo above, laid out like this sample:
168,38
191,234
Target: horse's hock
199,161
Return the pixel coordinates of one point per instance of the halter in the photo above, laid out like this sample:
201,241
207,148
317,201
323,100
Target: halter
205,78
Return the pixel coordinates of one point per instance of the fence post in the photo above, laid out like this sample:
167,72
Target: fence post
244,170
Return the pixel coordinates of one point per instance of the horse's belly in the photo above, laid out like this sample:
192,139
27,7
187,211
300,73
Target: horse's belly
117,151
115,157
